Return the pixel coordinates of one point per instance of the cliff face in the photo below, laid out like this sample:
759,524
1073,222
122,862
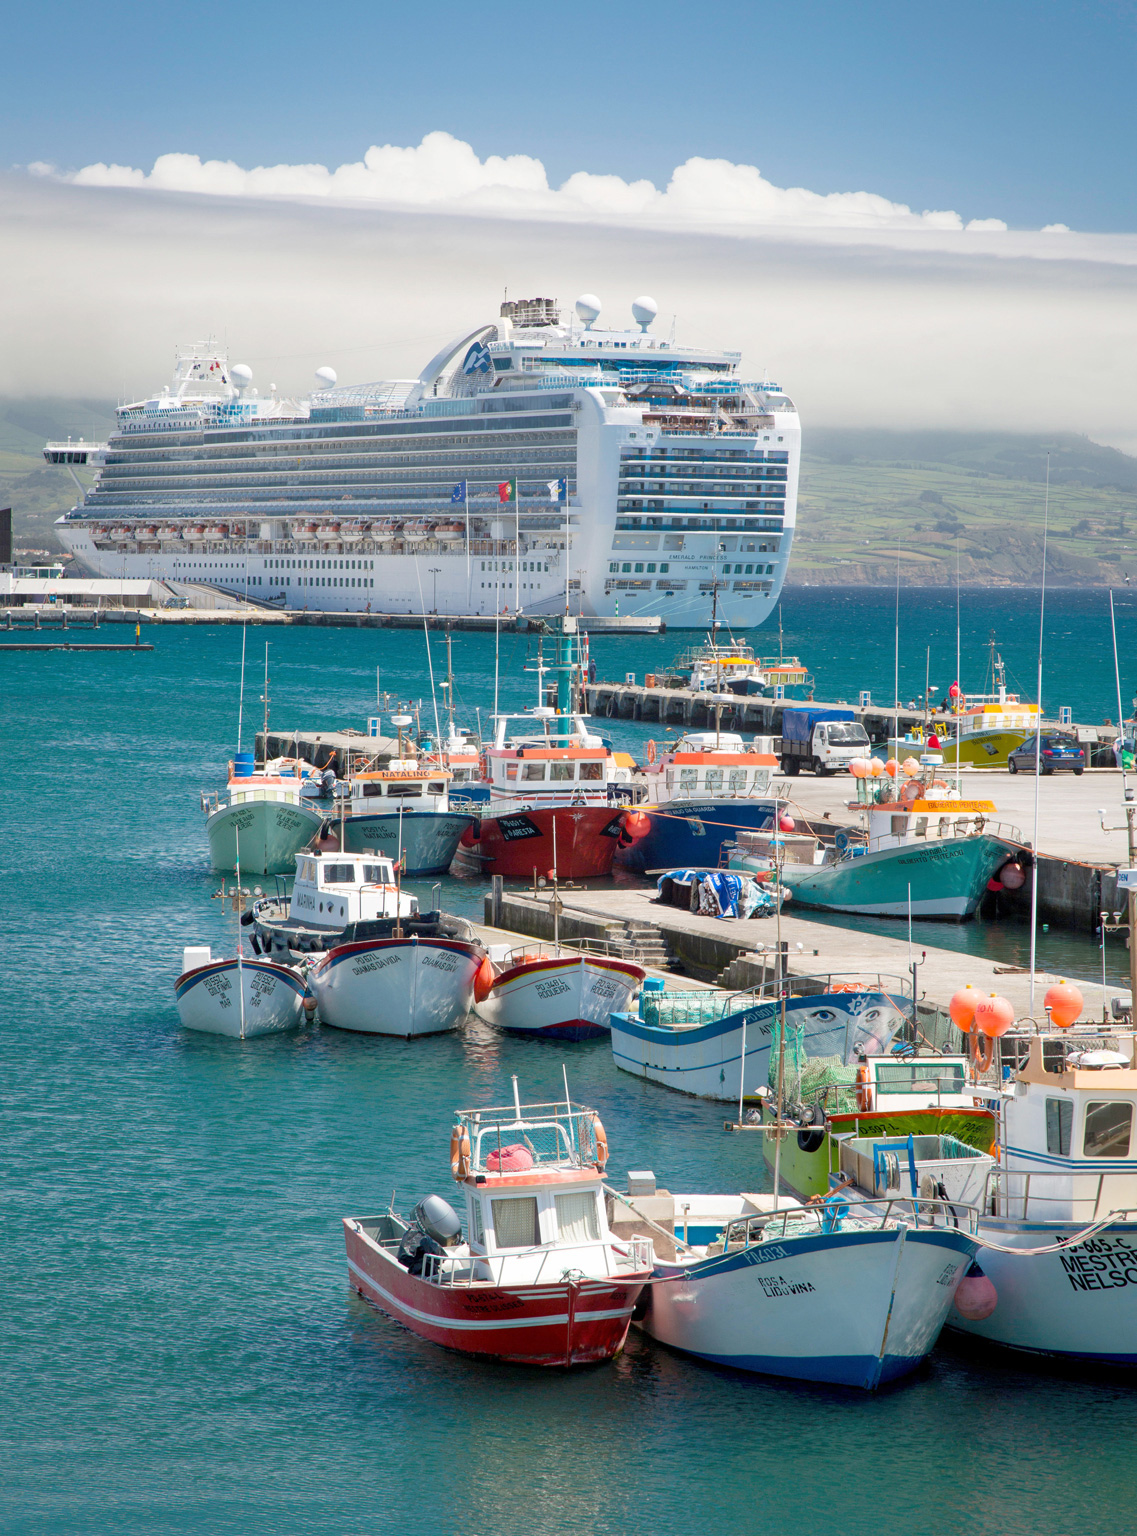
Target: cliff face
978,498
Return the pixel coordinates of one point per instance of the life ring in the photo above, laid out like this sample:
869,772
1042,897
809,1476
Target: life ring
601,1140
982,1056
460,1153
651,751
864,1088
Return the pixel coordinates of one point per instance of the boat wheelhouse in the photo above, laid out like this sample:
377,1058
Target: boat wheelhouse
403,811
538,456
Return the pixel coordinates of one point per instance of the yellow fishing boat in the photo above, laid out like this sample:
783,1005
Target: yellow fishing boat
989,725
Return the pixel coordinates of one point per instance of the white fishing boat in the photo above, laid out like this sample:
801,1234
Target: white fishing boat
717,1045
406,983
331,893
556,995
849,1292
239,997
403,811
1058,1222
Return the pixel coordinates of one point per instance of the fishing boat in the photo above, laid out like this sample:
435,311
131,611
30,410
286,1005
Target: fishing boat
697,797
239,997
849,1291
1057,1222
397,977
538,1278
263,818
987,726
330,893
403,811
927,854
556,789
717,1045
881,1097
543,992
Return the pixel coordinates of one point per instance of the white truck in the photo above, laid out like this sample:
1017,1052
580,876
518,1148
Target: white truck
823,740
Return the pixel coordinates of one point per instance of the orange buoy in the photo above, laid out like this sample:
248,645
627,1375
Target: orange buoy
1064,1003
962,1008
892,767
637,825
994,1016
484,978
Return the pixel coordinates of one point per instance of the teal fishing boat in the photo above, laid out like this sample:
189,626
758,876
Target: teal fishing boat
930,857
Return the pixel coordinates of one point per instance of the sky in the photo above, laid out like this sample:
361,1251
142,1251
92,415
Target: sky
931,203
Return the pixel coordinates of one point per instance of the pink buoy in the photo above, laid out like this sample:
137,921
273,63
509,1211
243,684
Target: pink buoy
512,1159
910,766
876,768
786,824
859,767
1013,876
975,1297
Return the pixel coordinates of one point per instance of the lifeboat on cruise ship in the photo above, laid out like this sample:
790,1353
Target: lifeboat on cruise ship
387,528
416,530
305,530
120,533
351,533
166,532
197,531
330,531
448,532
217,531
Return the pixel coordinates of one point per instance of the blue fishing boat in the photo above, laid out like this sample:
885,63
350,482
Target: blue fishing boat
699,796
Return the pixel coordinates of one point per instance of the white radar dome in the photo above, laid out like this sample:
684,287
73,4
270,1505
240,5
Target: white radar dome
644,311
326,378
587,308
241,375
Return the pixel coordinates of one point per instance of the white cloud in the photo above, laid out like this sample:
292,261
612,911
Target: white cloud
445,174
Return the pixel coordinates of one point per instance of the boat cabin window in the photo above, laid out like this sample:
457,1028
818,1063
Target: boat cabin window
375,874
404,791
737,781
899,825
435,789
515,1222
562,771
533,770
577,1221
1059,1123
688,778
371,790
1108,1127
511,770
477,1230
592,770
714,781
306,870
339,874
923,1078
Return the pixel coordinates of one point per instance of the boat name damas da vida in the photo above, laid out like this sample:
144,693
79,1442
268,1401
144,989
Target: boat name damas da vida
537,456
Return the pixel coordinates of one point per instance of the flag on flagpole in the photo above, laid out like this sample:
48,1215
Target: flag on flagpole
558,489
460,491
507,491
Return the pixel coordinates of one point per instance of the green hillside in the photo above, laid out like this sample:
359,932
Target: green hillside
37,493
862,494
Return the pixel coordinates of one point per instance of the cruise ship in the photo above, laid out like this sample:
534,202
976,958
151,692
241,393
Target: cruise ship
536,462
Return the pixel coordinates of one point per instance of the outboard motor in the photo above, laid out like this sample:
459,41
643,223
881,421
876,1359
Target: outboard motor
438,1219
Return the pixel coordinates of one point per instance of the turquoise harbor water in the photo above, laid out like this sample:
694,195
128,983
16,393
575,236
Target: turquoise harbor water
179,1349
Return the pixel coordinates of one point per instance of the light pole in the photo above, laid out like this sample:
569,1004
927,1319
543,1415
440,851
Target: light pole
434,570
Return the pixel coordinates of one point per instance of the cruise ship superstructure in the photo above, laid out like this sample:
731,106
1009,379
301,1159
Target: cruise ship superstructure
533,460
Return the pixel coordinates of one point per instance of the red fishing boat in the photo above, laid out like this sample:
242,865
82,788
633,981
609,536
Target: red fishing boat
537,1278
557,791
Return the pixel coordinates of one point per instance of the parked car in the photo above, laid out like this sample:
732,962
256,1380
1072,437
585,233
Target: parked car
1058,752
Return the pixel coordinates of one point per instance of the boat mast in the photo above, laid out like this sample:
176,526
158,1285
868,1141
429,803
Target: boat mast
1130,808
264,700
449,687
1037,745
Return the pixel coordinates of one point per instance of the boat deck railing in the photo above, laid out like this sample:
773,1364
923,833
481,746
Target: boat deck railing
561,1135
547,1264
1058,1195
838,1215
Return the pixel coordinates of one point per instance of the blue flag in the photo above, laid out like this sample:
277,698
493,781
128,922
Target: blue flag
460,492
558,489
